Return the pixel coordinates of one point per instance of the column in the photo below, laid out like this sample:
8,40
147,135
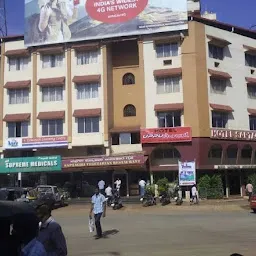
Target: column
127,185
227,183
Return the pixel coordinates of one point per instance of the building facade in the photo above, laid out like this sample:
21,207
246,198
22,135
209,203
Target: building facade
133,107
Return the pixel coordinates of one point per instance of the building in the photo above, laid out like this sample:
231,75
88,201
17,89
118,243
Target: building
134,106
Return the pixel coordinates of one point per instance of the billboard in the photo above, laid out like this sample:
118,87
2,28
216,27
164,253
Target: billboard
187,173
57,21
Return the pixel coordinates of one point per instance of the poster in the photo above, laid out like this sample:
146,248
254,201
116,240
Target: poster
187,173
58,21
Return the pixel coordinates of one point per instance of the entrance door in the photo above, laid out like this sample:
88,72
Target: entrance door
234,182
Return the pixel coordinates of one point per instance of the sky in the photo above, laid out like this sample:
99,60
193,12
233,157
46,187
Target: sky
236,12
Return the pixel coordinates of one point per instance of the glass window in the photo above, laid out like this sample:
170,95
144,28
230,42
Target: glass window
169,119
129,110
52,61
88,124
16,64
219,119
216,52
89,57
128,79
87,91
17,129
52,93
167,50
52,127
124,138
250,60
251,90
18,96
168,85
218,86
252,120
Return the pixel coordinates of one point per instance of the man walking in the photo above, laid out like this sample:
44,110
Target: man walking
98,208
249,189
142,185
101,185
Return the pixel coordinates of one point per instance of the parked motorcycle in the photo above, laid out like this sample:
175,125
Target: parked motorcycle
115,201
148,199
174,195
165,198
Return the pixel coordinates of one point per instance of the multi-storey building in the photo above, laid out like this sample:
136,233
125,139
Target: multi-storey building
133,107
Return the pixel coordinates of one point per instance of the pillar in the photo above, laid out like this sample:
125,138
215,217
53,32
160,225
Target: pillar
151,178
227,183
127,185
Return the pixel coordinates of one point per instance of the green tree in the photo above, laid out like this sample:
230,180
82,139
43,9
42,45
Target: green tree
163,185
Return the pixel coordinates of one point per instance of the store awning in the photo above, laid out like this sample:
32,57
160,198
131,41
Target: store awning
168,72
51,115
18,84
251,111
87,79
87,112
219,74
250,49
51,50
17,117
17,53
85,47
125,129
223,108
251,80
168,107
218,41
56,81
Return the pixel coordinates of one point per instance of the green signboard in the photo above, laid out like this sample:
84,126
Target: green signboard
30,164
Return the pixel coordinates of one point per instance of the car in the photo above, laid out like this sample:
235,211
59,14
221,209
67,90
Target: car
253,203
12,193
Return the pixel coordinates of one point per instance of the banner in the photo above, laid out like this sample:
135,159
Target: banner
30,164
187,173
166,135
57,21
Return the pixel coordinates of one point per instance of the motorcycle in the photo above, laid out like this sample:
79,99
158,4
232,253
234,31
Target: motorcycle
174,194
148,199
165,198
115,201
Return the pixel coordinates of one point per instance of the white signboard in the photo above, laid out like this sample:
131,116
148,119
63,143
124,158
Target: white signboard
187,173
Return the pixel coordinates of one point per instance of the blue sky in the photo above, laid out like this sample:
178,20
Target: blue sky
237,12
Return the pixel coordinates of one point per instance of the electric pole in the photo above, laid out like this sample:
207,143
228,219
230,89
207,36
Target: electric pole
3,21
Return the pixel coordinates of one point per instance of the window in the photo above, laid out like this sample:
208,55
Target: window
168,85
52,61
129,110
216,52
84,58
87,91
88,124
167,50
218,86
52,127
18,96
250,60
17,129
128,79
125,138
94,151
251,90
52,94
169,119
16,64
252,120
219,119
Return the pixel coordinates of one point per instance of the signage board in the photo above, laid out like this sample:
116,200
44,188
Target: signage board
30,164
103,161
187,173
225,134
232,167
166,135
90,19
41,142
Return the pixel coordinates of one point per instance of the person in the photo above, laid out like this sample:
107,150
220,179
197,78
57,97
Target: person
109,194
118,183
249,189
98,208
142,184
194,194
101,185
50,234
25,231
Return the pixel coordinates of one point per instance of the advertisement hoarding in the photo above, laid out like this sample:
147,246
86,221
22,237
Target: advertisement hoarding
187,173
166,135
30,164
57,21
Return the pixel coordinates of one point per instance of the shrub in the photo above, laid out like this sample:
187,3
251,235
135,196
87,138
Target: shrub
163,185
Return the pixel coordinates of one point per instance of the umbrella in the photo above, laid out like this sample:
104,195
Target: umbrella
9,209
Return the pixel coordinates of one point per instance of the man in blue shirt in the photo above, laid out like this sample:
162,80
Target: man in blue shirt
98,208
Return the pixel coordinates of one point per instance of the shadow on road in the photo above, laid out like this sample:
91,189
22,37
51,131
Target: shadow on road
111,232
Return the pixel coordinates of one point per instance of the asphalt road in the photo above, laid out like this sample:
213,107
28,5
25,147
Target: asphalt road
186,231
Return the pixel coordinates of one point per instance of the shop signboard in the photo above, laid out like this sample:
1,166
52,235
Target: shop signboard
30,164
103,161
166,135
187,173
90,19
225,134
34,143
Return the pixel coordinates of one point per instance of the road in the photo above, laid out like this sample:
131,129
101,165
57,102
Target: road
171,230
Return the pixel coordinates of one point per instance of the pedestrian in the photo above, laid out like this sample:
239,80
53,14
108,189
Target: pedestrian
101,186
50,234
142,185
194,194
25,231
98,208
249,189
118,183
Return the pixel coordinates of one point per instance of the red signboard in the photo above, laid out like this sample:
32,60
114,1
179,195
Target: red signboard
103,161
166,135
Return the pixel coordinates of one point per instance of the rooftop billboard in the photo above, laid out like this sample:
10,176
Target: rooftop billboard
57,21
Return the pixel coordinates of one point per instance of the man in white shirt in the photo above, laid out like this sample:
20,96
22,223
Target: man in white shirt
194,194
101,185
249,189
108,191
118,183
142,185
